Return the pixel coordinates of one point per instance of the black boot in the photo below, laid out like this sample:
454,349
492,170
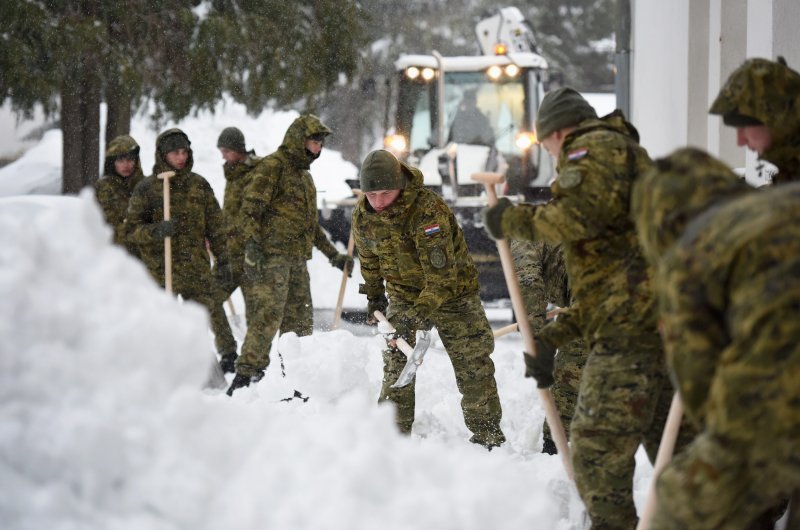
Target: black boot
228,363
549,447
239,381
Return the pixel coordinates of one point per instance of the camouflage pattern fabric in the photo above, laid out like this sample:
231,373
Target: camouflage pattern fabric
729,299
768,91
114,191
418,249
277,295
543,279
621,401
236,180
279,214
198,218
279,207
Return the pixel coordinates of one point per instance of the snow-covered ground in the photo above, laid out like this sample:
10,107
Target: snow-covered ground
104,423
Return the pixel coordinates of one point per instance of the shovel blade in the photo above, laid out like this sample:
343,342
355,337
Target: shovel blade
414,360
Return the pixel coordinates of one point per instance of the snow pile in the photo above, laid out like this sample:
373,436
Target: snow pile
103,422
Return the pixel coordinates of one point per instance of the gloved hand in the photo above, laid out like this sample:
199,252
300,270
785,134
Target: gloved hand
226,277
541,366
254,260
405,325
493,218
165,229
376,303
340,261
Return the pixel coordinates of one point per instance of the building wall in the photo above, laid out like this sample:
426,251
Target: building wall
684,50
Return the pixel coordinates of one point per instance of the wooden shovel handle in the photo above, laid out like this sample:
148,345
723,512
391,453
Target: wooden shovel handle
404,346
489,181
165,176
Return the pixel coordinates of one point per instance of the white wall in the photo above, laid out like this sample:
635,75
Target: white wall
659,69
684,50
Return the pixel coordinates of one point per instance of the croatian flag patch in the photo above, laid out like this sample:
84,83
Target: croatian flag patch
577,154
432,229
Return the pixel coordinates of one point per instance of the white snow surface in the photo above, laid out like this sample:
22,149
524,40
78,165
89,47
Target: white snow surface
105,422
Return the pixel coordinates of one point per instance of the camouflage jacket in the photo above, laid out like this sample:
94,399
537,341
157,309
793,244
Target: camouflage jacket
589,215
770,92
729,299
416,247
237,177
279,207
198,218
542,277
113,191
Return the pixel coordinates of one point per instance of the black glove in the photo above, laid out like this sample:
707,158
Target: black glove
340,261
541,366
253,255
376,303
165,229
493,218
226,277
405,326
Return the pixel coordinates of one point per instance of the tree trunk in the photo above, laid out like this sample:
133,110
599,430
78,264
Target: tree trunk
118,114
80,126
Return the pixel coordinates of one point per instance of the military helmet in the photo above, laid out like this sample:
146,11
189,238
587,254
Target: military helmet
563,107
761,92
381,171
232,138
674,191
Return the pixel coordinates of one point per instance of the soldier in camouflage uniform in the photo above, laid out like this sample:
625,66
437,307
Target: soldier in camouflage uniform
543,279
728,285
407,237
196,218
280,225
762,100
624,393
239,162
122,171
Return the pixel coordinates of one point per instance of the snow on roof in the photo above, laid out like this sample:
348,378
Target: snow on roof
472,63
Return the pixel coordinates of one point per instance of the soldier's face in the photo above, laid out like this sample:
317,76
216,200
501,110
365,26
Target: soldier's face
231,157
552,144
315,146
382,199
755,137
124,166
177,158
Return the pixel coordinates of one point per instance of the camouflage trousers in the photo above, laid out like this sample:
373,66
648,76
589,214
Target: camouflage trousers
467,337
624,400
223,337
277,297
721,483
569,365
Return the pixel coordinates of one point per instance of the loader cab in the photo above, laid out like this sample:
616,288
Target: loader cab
484,107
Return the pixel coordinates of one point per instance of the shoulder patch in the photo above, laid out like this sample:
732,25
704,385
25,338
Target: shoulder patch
437,257
577,154
569,178
432,229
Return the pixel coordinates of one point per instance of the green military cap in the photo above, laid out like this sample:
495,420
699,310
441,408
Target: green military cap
563,107
172,140
232,138
121,146
760,92
381,171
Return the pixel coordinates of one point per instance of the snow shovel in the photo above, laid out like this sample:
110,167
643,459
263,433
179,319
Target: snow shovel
415,355
664,455
337,313
489,181
165,176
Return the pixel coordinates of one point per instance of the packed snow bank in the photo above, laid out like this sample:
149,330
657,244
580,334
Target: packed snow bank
103,423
